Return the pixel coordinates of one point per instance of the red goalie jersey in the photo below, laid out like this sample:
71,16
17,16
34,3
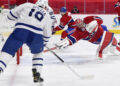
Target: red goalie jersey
94,36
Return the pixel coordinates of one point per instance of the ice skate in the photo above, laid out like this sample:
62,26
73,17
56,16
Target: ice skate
36,78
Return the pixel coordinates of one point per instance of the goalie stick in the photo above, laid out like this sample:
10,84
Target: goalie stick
69,67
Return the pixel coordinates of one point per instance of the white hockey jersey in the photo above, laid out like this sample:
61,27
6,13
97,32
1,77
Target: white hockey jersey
51,13
31,17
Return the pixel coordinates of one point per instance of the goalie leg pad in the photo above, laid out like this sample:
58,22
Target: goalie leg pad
114,42
106,41
114,48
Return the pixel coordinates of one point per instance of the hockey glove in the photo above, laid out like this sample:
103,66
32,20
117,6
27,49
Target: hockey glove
62,44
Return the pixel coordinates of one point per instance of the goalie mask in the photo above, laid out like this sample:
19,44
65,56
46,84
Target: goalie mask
79,22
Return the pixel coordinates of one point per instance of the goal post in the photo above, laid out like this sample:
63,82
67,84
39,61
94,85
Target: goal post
18,54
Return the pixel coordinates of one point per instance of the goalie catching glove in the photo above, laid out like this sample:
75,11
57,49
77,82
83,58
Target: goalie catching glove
62,44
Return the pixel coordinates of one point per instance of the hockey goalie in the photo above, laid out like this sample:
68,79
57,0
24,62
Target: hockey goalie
92,30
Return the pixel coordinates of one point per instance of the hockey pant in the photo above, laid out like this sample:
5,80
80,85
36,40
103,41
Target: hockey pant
16,40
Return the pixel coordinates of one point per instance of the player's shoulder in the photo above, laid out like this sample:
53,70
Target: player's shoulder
27,5
68,14
89,17
49,8
97,18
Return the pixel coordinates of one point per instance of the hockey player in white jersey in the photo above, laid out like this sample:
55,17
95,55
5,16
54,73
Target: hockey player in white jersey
33,27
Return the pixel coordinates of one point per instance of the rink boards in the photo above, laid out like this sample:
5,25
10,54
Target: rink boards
109,20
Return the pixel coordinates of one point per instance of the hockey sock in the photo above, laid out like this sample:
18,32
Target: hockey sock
4,60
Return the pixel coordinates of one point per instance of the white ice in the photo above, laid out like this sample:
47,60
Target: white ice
80,57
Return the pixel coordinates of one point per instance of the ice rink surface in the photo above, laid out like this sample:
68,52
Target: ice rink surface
81,57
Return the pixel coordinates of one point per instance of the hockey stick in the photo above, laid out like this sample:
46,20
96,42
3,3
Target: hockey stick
73,71
49,50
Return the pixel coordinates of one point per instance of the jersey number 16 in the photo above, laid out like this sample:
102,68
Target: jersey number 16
38,15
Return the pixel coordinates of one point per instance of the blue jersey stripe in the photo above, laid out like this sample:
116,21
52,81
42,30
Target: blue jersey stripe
46,37
37,64
45,41
3,63
70,31
73,40
37,59
98,18
10,18
13,15
27,25
98,41
53,17
61,26
71,21
1,69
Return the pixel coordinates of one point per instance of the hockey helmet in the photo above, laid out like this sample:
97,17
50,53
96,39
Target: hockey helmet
79,22
63,10
42,3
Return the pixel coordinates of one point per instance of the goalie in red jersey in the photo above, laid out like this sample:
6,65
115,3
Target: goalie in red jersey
92,30
66,19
